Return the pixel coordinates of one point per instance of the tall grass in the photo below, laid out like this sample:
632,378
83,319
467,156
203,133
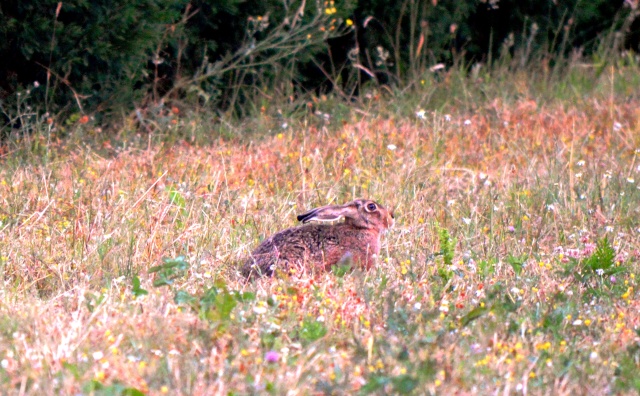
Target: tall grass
512,266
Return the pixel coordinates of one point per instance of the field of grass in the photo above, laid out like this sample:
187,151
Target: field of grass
512,267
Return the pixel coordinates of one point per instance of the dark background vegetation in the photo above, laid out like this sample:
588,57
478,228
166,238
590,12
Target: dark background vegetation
108,57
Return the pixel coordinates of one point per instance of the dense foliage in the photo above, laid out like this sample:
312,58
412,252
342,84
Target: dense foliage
100,56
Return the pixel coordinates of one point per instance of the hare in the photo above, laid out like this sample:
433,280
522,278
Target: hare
323,245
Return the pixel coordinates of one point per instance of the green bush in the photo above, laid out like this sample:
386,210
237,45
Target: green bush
93,53
102,57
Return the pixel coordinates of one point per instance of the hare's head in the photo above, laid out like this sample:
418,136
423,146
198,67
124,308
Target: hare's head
361,213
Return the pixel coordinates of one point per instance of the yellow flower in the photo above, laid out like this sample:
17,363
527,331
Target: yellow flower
349,22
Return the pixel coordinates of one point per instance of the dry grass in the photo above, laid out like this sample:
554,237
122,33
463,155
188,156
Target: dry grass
524,191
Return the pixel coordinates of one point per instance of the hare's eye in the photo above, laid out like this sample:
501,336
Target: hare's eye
371,207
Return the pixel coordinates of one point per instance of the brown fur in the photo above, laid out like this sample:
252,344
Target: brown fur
322,245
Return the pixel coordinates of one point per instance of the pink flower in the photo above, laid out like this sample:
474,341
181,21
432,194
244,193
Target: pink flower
272,357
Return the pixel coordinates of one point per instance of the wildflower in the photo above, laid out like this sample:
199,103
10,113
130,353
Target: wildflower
511,228
467,122
577,322
421,114
444,306
466,220
543,346
392,147
580,163
630,180
349,22
608,228
272,357
600,271
447,117
617,126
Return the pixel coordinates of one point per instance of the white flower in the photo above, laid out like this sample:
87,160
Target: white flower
447,117
466,220
630,180
608,228
617,126
578,175
550,207
417,306
392,147
421,114
467,122
259,310
577,322
600,271
580,163
97,355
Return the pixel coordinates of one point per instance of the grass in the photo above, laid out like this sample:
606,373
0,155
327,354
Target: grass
512,268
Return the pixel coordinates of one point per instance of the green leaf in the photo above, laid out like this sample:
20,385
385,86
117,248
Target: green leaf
376,382
132,392
517,262
603,258
72,368
182,297
447,246
162,282
176,198
404,384
312,330
136,289
246,296
473,315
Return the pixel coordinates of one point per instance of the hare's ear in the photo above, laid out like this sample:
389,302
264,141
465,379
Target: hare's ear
329,213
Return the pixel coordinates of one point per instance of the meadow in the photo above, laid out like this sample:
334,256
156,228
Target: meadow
512,267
